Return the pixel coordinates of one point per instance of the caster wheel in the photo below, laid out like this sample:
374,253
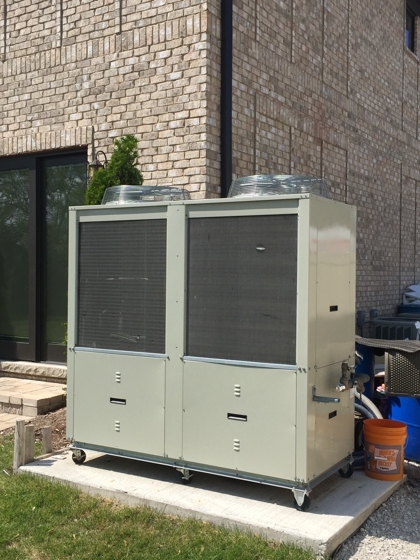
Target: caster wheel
186,480
346,472
186,477
305,506
79,458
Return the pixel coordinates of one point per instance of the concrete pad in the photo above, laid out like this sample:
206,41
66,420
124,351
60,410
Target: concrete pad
29,385
47,389
6,383
9,420
33,401
14,384
30,370
31,411
15,398
56,399
44,393
338,506
30,397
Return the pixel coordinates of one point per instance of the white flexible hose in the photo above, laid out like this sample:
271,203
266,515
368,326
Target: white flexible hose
367,403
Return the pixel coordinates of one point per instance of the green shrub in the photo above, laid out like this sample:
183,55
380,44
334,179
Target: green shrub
121,170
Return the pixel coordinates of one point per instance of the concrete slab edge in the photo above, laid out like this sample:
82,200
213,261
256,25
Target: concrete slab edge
322,549
356,522
168,509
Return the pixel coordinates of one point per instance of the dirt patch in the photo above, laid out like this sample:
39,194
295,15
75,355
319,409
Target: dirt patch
56,420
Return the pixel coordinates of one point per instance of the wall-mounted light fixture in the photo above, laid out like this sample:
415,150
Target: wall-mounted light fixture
96,163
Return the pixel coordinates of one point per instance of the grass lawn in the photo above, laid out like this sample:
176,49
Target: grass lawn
41,520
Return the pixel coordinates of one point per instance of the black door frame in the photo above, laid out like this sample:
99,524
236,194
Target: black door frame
35,350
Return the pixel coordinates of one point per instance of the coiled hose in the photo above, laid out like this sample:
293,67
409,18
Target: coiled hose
363,411
368,405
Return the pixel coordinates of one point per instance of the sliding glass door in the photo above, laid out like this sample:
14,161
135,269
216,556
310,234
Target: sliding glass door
35,193
14,255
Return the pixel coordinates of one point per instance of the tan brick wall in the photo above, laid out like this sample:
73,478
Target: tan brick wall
327,88
82,73
323,87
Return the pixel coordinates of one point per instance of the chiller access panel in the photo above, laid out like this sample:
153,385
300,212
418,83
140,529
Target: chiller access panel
211,335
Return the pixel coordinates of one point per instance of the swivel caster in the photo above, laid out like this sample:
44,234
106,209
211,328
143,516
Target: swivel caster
301,499
305,505
78,456
186,476
186,480
347,471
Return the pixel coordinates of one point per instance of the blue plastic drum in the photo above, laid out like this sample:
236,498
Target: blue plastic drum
407,410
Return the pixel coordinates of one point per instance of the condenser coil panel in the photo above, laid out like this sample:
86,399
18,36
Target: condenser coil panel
242,277
122,283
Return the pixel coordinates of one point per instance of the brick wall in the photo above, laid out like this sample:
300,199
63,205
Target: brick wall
81,73
323,87
327,88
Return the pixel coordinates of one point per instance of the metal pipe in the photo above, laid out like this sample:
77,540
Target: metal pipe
226,71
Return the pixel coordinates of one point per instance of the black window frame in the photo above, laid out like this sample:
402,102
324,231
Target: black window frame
410,27
412,12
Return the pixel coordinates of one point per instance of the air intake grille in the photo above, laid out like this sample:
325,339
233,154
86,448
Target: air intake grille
242,274
403,374
122,282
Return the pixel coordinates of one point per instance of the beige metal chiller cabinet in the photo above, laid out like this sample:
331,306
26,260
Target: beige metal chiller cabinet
210,336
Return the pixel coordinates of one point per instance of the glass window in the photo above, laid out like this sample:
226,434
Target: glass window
14,264
65,185
410,20
35,193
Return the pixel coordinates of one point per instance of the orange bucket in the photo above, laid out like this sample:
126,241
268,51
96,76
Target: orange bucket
384,448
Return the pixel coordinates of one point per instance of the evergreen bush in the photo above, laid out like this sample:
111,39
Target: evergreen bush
121,170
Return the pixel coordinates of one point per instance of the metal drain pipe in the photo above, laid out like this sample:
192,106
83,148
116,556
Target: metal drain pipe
226,96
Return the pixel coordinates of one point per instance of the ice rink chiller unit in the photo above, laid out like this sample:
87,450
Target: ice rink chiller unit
211,335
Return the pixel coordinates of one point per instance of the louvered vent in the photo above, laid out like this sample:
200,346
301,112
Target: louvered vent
122,282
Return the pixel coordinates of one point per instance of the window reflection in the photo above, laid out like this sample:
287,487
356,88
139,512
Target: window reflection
409,29
14,267
65,186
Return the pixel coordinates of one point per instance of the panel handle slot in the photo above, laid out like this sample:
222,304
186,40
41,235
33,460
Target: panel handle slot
240,417
114,400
